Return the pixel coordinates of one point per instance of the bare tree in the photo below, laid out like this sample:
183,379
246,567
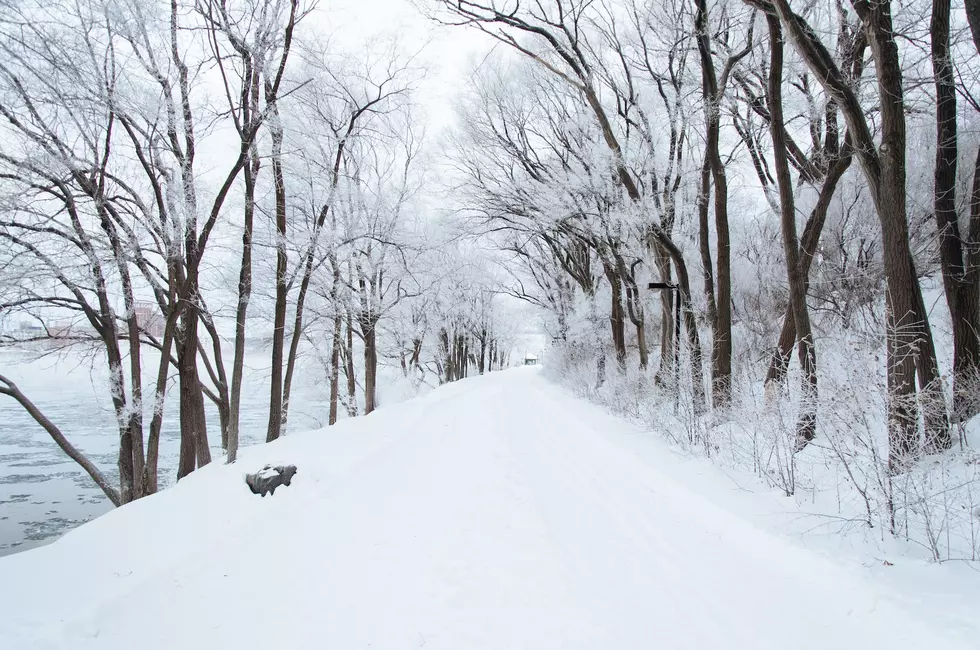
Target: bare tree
909,338
70,214
959,252
258,35
797,285
713,90
344,103
566,55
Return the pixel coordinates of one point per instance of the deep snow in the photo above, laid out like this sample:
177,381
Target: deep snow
497,512
43,493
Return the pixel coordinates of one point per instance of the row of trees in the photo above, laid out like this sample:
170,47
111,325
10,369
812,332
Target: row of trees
213,158
601,146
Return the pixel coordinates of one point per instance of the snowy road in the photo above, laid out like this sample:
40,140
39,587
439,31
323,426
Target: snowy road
494,513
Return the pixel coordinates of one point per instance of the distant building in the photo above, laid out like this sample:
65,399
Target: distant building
530,359
149,319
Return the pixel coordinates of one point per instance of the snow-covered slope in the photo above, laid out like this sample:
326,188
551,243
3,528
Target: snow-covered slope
497,512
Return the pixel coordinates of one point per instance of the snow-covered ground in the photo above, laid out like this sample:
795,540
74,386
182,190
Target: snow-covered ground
496,512
44,493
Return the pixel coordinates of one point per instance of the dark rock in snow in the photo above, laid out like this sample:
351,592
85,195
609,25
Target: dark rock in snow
269,478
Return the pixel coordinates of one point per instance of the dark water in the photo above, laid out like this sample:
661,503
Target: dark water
43,493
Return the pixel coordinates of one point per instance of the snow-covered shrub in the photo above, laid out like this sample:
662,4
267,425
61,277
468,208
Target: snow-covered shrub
841,479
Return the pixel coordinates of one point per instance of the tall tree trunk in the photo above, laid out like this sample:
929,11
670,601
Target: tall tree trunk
483,351
961,292
641,344
279,320
809,242
194,451
697,362
973,18
704,242
459,354
368,325
446,354
335,344
349,369
292,358
134,424
966,400
806,427
224,418
215,368
634,307
665,372
721,350
415,360
241,312
277,412
935,415
151,478
909,335
617,319
636,315
336,340
129,415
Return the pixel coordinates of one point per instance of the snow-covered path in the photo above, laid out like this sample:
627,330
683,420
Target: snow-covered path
495,513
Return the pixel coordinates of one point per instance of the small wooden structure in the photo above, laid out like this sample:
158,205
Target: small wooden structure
530,359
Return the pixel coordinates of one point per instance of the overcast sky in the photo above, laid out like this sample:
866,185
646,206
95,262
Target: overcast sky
449,52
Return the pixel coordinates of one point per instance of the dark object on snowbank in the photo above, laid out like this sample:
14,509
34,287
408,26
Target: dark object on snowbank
269,478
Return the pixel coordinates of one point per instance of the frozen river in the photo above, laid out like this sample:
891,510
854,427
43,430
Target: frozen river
43,493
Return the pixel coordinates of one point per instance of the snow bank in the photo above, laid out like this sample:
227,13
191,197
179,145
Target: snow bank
496,512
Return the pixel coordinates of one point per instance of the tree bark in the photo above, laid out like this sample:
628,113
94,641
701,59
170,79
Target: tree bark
910,336
721,349
349,369
665,371
973,18
617,319
704,242
194,451
959,283
274,428
241,312
151,479
250,107
368,327
809,242
335,367
806,427
336,340
483,351
446,354
966,400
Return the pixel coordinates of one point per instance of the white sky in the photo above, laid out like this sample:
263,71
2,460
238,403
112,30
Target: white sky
447,51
